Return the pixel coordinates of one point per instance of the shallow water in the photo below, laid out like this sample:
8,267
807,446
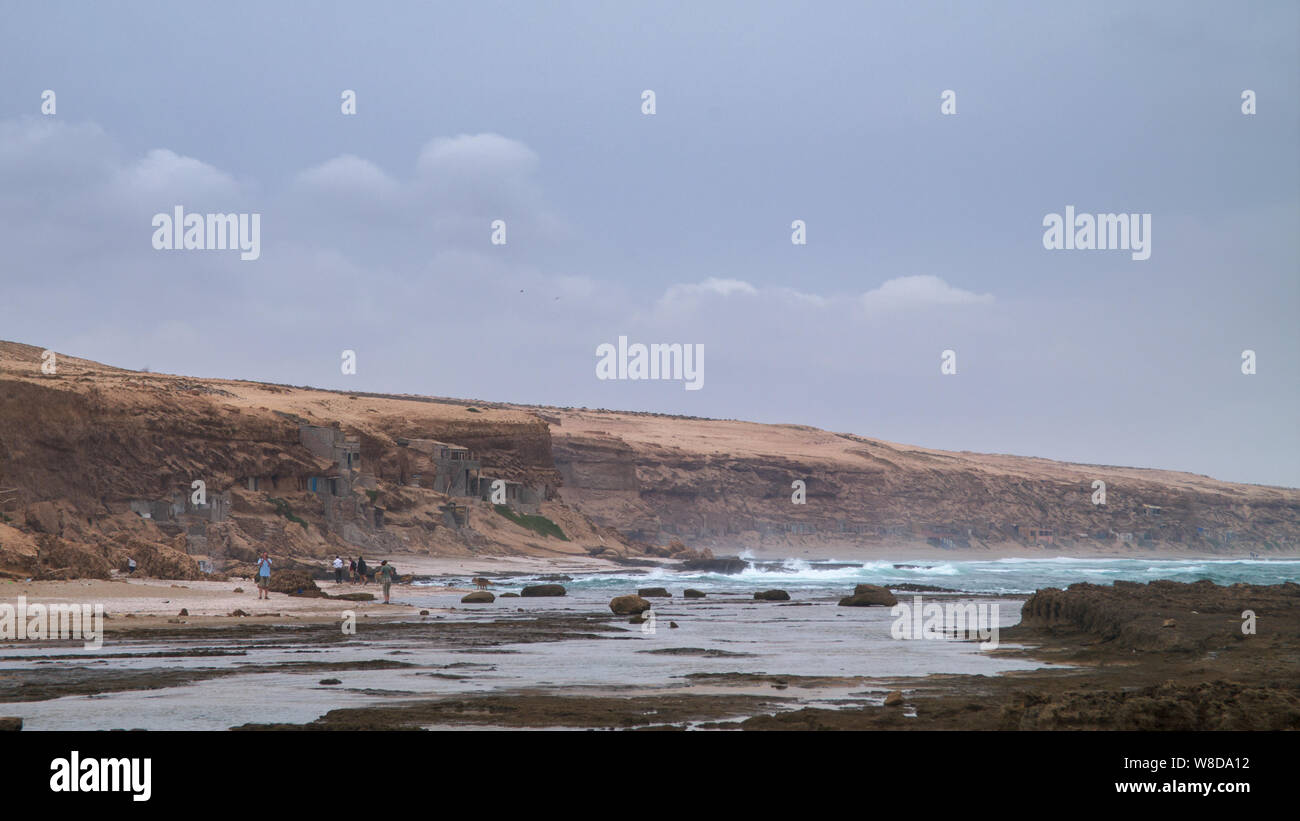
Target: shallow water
809,636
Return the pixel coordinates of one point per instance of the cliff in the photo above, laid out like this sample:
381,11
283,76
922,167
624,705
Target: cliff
106,459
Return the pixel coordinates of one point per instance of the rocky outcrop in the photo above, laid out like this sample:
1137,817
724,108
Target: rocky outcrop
654,592
869,595
478,597
628,605
729,565
533,590
295,583
1137,616
771,595
57,559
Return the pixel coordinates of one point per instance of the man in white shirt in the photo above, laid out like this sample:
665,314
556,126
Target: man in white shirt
338,570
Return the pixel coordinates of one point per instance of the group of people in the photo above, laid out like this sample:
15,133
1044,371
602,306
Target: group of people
358,571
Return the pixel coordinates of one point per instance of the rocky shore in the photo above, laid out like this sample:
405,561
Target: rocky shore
1157,656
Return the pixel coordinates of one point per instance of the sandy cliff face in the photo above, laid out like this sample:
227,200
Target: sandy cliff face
728,485
104,458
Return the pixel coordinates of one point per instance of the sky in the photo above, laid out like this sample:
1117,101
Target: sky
924,229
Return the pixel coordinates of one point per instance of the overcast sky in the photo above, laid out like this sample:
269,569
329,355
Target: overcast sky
924,230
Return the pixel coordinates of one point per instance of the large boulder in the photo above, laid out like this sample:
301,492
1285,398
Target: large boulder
692,593
478,597
772,595
162,562
295,583
543,590
869,595
728,564
655,592
628,605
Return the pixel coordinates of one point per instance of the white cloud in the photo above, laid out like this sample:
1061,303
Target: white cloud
476,155
173,178
348,173
906,293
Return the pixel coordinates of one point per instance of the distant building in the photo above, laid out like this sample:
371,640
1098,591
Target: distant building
441,466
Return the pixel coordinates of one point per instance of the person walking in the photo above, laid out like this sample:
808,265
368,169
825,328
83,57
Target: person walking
361,569
264,576
338,570
130,565
352,569
386,575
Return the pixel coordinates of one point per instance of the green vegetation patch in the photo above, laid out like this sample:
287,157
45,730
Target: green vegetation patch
538,524
283,509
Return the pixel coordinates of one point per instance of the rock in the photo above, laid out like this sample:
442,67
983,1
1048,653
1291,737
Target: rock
161,562
478,597
556,577
655,592
882,593
625,605
424,612
298,583
10,724
772,595
238,612
330,681
894,699
58,560
869,595
543,590
1169,623
184,612
692,593
509,595
728,564
239,590
673,625
637,620
353,596
920,588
